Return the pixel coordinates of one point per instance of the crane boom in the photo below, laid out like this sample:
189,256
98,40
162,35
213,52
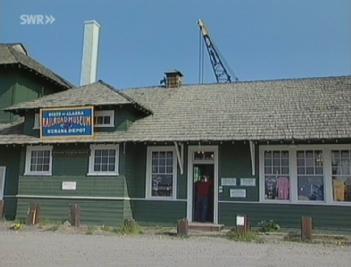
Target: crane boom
221,72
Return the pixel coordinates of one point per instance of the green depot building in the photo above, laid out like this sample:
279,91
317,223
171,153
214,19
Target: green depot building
275,150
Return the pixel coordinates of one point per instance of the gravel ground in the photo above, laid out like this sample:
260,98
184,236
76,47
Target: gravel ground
59,249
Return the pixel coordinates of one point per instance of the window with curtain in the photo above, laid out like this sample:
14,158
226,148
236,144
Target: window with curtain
162,174
310,177
341,175
276,175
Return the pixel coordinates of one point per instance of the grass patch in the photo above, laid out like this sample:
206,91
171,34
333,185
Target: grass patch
130,226
327,239
268,226
109,229
248,236
91,230
47,225
17,226
52,228
292,236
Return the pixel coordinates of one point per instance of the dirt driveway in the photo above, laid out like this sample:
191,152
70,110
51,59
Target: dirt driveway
59,249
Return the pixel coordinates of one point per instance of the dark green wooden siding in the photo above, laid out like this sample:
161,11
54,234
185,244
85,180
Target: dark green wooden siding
337,217
99,212
7,88
10,158
70,160
158,212
136,171
234,160
18,85
70,163
100,186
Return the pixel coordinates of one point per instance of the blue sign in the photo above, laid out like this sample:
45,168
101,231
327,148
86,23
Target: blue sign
74,122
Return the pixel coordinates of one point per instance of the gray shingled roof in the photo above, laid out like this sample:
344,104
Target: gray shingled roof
95,94
315,108
299,109
11,55
12,133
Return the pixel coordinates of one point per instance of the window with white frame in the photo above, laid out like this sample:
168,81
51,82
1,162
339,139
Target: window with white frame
276,175
103,159
161,172
38,160
36,124
341,175
104,118
316,174
310,178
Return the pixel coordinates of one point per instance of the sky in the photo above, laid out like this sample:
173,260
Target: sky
141,39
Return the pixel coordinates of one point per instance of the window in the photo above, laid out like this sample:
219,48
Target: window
103,160
276,175
104,118
310,176
38,160
161,172
341,175
317,174
36,124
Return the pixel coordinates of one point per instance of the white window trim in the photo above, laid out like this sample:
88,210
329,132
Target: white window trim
105,113
91,171
190,184
148,187
36,123
28,160
327,172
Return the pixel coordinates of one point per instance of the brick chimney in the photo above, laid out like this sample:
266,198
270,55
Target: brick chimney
173,79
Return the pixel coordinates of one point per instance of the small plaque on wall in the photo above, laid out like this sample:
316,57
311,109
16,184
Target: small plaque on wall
248,181
69,185
237,193
228,181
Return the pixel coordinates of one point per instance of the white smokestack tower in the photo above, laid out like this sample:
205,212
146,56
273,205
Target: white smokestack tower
90,56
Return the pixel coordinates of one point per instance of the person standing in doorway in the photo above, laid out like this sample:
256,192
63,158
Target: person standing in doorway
203,191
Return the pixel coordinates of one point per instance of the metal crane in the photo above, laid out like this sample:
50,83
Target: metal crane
220,68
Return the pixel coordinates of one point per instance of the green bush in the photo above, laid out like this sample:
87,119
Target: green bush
109,229
91,230
130,226
238,235
268,226
52,228
17,226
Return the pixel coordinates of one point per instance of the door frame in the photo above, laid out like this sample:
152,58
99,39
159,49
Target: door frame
191,150
2,192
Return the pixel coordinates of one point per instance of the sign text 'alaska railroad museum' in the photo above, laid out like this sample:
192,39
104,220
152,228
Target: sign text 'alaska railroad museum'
68,122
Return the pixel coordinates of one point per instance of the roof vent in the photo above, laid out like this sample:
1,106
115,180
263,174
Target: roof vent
173,79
